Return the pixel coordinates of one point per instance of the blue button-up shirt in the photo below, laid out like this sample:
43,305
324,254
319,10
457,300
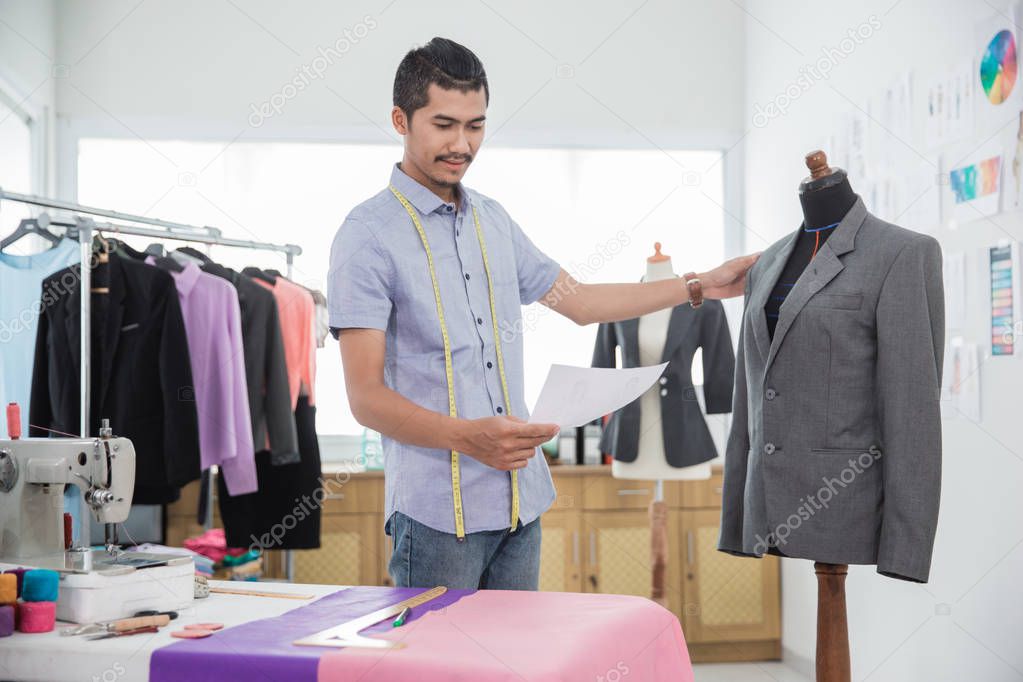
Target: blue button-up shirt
379,279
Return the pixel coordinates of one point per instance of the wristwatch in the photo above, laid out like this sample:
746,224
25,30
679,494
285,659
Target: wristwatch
695,289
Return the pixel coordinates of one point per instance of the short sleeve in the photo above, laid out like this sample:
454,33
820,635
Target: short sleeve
359,279
537,271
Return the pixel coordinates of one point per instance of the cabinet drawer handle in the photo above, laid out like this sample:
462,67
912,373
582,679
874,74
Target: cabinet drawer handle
689,548
593,548
575,548
334,496
634,491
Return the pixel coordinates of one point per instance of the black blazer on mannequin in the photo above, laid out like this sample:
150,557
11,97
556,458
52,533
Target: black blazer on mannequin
141,372
687,441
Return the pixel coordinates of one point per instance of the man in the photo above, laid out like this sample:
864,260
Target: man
427,280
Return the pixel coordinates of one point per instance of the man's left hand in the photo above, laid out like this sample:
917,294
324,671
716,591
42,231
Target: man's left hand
729,278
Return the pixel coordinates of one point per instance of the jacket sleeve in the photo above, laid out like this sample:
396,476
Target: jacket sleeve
604,348
718,360
40,410
180,420
910,349
736,456
280,420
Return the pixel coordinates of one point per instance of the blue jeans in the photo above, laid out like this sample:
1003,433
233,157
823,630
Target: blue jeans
490,559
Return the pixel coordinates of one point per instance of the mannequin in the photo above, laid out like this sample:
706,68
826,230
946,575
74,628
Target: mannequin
835,450
651,464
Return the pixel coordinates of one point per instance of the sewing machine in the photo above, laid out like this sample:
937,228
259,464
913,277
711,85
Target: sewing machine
96,583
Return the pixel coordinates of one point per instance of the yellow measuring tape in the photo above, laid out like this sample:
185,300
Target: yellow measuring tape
456,482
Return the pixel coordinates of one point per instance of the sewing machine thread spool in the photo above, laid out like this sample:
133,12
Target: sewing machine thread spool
8,588
40,585
13,421
6,620
36,616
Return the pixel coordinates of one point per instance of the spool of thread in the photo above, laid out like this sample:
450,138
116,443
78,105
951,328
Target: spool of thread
6,620
13,421
19,574
67,530
8,588
36,616
39,585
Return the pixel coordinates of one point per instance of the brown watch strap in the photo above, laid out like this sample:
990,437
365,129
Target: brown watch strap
695,289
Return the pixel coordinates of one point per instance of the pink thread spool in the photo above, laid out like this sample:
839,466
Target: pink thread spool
36,616
13,421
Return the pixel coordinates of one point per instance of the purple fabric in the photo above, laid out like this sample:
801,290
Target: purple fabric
263,649
213,324
6,620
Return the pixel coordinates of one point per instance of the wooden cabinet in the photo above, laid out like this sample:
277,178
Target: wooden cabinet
596,538
726,598
561,552
617,555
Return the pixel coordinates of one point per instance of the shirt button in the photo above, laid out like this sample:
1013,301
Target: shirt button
499,409
664,392
769,448
479,320
771,394
490,365
663,380
467,275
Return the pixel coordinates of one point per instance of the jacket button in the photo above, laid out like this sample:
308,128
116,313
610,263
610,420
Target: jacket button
663,380
664,392
770,394
769,448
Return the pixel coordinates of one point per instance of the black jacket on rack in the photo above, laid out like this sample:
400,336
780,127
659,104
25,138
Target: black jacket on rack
687,441
266,372
141,372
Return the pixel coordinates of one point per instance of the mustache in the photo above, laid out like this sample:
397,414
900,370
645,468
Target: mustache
456,157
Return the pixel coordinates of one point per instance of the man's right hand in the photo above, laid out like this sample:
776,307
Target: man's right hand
504,443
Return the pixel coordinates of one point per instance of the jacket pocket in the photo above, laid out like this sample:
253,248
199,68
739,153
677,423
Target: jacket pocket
847,452
836,301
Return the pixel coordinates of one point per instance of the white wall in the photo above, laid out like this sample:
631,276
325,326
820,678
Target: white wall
631,74
27,53
966,624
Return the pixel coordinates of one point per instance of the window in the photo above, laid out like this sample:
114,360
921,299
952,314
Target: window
15,163
597,212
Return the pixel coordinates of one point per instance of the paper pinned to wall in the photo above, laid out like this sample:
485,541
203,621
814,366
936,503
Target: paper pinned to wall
573,396
960,394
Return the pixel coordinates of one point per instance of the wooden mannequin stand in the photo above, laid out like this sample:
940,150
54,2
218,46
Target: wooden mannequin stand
832,624
825,197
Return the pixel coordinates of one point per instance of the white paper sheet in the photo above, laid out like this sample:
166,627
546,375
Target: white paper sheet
573,396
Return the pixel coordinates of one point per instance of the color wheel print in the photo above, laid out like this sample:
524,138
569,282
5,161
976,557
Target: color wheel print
998,67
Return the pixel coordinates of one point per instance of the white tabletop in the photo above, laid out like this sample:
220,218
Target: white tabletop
50,657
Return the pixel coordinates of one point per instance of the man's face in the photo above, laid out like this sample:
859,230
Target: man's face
442,138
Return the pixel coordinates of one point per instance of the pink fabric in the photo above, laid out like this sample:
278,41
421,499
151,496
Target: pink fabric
499,635
213,545
298,319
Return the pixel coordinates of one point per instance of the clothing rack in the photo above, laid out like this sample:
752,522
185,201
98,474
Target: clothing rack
158,229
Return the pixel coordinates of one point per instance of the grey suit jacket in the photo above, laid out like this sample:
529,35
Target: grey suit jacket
687,441
835,448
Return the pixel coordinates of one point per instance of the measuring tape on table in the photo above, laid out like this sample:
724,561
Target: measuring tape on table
456,491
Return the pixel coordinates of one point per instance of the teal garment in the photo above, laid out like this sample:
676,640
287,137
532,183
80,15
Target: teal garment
21,300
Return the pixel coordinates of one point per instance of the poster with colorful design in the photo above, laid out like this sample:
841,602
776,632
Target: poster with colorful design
976,188
1002,261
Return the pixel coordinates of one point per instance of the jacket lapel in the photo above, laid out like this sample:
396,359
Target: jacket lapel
821,270
766,284
629,342
678,327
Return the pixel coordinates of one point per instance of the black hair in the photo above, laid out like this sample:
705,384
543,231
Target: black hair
441,61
